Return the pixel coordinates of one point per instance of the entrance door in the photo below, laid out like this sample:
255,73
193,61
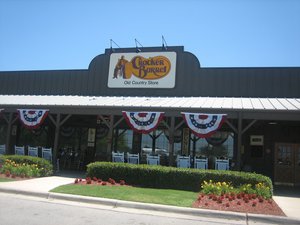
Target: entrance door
297,165
287,163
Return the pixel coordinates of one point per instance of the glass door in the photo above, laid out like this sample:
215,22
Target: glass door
297,164
284,168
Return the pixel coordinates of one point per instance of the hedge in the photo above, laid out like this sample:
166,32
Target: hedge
45,166
171,177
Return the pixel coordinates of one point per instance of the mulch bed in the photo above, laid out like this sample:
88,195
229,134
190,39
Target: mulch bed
14,178
96,181
256,205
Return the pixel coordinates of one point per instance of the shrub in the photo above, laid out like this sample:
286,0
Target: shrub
171,177
7,173
217,188
19,169
88,180
263,190
26,165
246,190
111,181
122,182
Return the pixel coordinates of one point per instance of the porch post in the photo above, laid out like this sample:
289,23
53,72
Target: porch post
239,142
116,139
171,141
153,137
57,125
110,138
8,133
136,142
56,137
194,140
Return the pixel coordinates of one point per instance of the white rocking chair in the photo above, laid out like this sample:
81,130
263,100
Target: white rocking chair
33,151
222,164
19,150
183,161
133,158
118,157
2,150
153,159
47,153
201,163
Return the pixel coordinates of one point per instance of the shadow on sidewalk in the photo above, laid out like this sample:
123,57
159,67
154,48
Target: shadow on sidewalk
287,191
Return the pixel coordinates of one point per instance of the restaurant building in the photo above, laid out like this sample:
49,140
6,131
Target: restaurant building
85,120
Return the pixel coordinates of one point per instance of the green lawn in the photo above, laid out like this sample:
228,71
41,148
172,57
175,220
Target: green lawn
5,179
148,195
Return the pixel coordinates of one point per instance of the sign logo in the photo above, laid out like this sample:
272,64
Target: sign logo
143,70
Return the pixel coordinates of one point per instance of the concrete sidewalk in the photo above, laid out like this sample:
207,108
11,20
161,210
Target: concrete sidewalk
288,199
40,187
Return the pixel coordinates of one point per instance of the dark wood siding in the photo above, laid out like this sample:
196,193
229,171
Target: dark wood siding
43,82
191,80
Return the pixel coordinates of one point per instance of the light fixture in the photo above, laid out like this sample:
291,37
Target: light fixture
137,49
111,43
164,44
272,123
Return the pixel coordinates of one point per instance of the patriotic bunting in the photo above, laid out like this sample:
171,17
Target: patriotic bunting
102,131
217,138
143,122
32,118
203,125
67,131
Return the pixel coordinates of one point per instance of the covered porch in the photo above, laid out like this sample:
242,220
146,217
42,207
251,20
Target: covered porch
83,129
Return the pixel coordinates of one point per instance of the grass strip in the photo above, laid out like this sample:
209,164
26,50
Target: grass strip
128,193
6,180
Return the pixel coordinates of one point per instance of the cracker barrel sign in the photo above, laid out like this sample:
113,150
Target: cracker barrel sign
142,70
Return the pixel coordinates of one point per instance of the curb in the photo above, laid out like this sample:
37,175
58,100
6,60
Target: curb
180,210
156,207
257,218
146,206
23,192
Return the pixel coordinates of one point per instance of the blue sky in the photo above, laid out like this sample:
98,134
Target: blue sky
65,34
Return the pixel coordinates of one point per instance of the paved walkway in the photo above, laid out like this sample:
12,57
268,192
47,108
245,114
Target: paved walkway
288,200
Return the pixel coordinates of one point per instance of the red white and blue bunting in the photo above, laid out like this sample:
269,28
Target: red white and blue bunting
204,125
143,122
67,131
32,118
